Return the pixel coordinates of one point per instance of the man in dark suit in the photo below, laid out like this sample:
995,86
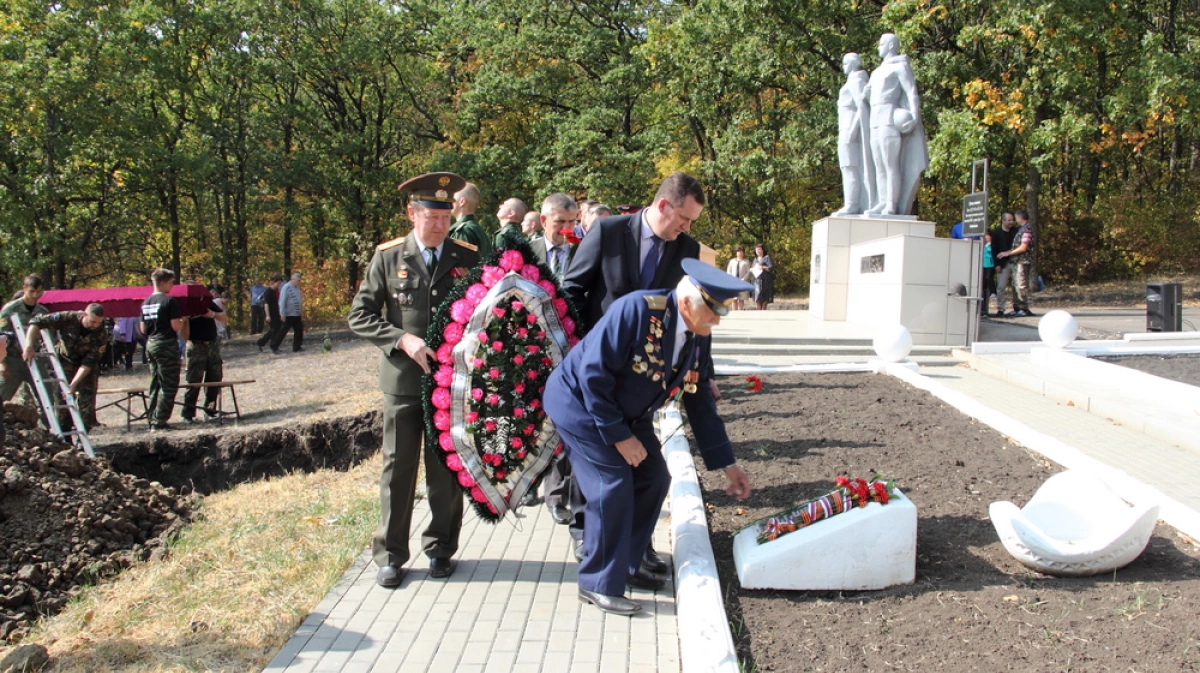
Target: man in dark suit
405,282
639,251
650,348
558,212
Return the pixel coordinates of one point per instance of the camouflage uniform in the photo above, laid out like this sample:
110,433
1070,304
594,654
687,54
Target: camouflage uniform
203,366
77,347
12,350
164,378
18,371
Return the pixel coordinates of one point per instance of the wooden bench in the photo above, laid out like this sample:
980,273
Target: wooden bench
126,403
142,393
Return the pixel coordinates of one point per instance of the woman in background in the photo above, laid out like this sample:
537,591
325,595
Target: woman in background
763,270
739,267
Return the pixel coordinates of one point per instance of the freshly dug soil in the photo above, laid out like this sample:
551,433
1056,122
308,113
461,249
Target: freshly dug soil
66,521
973,607
1184,368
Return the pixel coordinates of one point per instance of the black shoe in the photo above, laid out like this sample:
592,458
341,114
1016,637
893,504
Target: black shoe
440,567
389,577
276,351
617,605
578,548
561,515
297,350
653,562
644,580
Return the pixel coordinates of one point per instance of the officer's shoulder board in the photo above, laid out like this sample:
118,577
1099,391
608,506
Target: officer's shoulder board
390,244
657,302
463,244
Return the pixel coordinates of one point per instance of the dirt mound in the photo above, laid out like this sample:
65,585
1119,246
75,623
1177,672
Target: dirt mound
66,521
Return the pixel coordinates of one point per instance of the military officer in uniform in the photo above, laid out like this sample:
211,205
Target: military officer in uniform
407,279
649,348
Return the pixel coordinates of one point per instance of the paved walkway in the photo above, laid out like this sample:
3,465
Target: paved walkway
511,605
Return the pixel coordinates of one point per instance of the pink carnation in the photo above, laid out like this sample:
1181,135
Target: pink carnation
499,312
492,275
493,399
532,349
441,419
529,429
517,306
516,442
541,334
491,507
560,307
489,425
547,361
497,346
477,394
534,404
548,287
522,453
519,388
531,318
568,325
478,496
476,293
472,416
460,311
482,336
511,260
518,412
531,374
500,474
453,333
522,332
465,480
531,273
493,373
446,442
477,363
441,399
518,360
444,376
445,354
453,462
572,340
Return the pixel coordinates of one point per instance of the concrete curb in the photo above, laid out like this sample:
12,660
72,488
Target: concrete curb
705,643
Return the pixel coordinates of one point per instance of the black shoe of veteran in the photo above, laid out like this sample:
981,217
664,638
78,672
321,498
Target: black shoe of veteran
561,515
653,562
618,605
440,567
644,580
389,577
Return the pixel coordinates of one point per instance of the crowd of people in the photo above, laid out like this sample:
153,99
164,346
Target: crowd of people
1007,265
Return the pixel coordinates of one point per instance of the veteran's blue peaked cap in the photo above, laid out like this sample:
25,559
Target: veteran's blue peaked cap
434,190
718,288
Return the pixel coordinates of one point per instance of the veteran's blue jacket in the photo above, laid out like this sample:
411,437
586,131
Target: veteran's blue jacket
621,372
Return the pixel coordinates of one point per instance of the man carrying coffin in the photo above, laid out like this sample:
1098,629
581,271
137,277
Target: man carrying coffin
649,348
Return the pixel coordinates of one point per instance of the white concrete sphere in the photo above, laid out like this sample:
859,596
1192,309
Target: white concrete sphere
1058,329
892,344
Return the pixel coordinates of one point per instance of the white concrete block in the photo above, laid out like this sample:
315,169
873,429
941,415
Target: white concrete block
819,557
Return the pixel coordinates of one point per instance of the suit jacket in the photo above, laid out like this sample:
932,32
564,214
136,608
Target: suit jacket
398,296
621,373
607,265
541,249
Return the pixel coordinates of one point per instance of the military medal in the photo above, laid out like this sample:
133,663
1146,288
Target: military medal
639,367
689,381
402,273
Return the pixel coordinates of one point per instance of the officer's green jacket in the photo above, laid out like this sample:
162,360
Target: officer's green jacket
398,296
509,229
468,230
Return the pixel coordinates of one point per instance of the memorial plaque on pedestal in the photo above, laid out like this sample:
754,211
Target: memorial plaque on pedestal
974,214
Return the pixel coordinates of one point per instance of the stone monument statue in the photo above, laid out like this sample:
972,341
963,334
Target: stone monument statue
854,146
897,136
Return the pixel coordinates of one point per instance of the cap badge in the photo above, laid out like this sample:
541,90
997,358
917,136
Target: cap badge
444,180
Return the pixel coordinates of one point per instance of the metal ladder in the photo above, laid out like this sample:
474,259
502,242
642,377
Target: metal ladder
42,384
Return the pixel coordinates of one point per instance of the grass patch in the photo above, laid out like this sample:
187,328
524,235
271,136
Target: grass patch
235,585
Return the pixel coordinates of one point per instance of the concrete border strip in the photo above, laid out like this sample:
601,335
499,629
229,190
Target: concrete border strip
705,643
1182,517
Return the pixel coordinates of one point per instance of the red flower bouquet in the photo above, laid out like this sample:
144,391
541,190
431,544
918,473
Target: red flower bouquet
849,494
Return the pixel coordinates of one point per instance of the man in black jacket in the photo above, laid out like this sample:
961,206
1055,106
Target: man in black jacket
271,302
639,251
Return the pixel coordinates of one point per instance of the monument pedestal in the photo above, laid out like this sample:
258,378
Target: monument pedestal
872,547
910,281
830,263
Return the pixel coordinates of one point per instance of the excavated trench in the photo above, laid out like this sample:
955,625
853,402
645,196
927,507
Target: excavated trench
207,463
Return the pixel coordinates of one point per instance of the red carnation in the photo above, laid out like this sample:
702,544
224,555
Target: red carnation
489,425
519,412
501,473
519,388
516,442
497,346
753,384
569,234
518,360
531,374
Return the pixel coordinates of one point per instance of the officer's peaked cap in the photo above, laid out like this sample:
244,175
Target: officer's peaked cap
718,288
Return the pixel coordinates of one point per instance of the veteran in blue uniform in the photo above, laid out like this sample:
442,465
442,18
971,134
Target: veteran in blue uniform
406,281
649,348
